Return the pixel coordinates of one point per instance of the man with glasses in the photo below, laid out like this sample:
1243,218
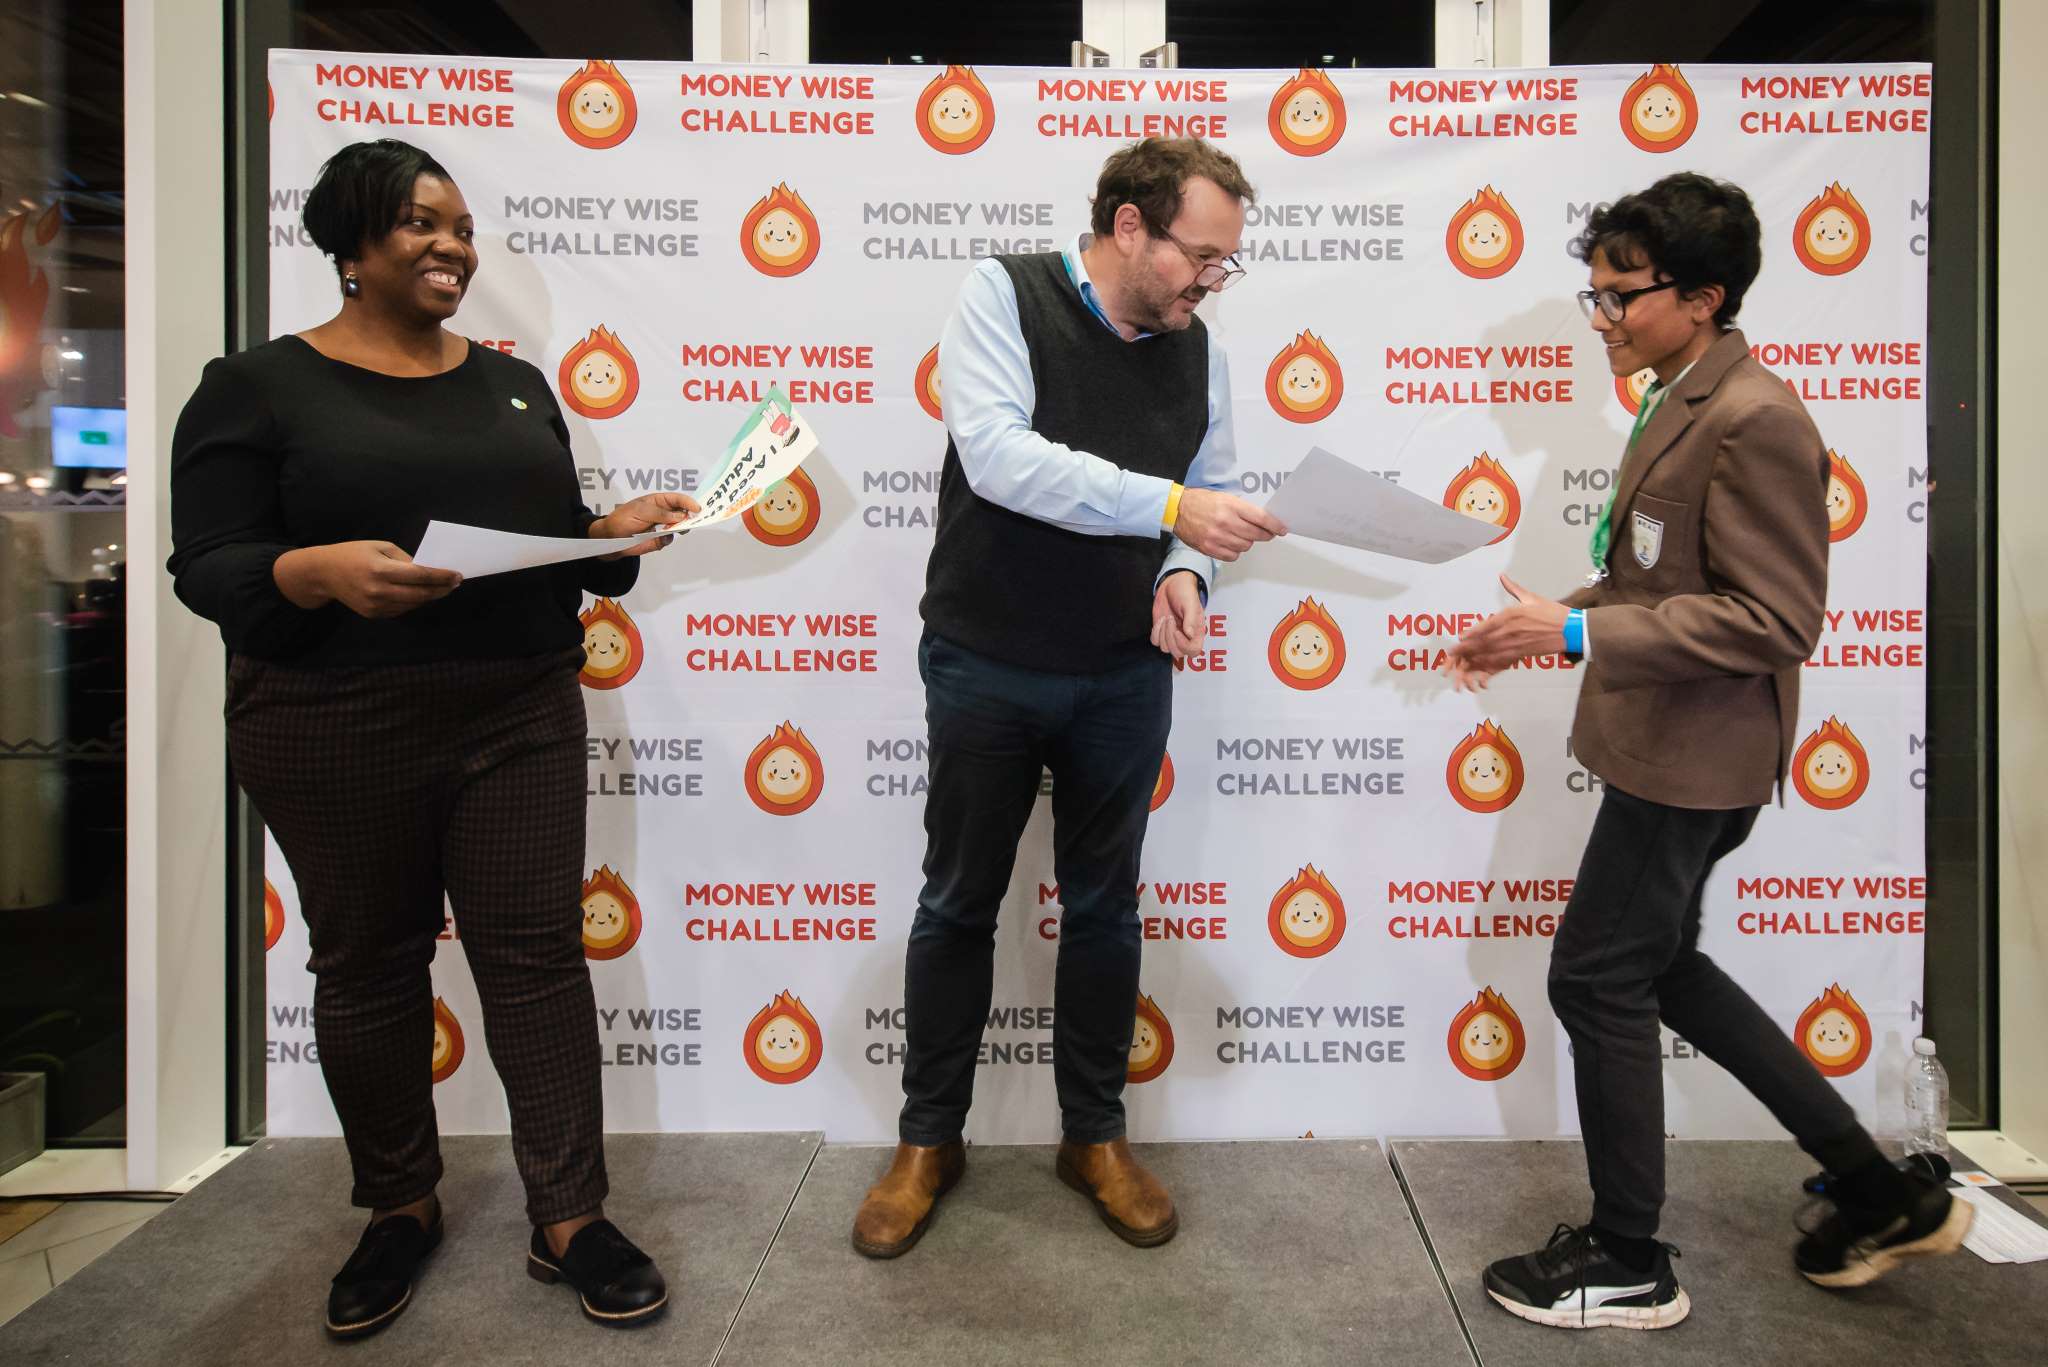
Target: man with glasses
1709,576
1081,510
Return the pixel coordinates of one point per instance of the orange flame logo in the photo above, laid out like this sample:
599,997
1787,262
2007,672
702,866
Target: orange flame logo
783,1042
1485,491
1831,768
1485,236
1847,501
1485,771
1151,1042
1486,1039
955,114
1834,1033
598,377
1307,114
1162,787
24,296
611,646
1304,383
1306,918
1832,235
596,107
273,916
1306,649
1659,112
1631,388
611,915
780,233
784,773
786,512
447,1042
927,385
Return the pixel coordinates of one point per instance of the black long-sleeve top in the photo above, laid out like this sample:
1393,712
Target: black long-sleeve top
281,447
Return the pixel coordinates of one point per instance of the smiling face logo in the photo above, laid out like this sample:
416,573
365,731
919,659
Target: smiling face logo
1659,112
1832,235
1306,116
786,512
783,1042
1831,768
1306,649
595,106
1847,501
1306,918
784,773
1304,383
598,378
273,916
1631,388
780,234
611,915
926,386
1151,1042
1162,787
1484,490
955,113
1486,1039
1485,236
1834,1033
1485,771
447,1042
611,646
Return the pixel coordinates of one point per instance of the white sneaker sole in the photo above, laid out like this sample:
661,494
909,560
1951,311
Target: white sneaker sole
1601,1317
1945,1239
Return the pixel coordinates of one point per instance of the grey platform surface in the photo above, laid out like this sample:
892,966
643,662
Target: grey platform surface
1730,1211
1289,1252
237,1272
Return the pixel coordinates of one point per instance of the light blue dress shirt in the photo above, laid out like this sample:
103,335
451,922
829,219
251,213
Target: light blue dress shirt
988,394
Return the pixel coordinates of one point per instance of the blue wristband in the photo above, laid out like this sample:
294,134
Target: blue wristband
1575,632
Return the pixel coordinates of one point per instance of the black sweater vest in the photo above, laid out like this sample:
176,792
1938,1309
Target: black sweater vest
1024,591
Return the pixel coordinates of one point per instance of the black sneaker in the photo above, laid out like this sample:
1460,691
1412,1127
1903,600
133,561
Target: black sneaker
1574,1283
375,1284
617,1282
1853,1245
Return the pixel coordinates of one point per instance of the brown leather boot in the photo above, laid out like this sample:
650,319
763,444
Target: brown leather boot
899,1208
1130,1200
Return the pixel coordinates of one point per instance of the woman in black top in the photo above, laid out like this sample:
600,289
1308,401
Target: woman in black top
406,735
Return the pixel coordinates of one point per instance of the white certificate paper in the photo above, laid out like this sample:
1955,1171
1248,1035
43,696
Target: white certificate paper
1330,499
772,442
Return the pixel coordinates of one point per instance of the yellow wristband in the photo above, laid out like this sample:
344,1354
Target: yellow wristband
1173,507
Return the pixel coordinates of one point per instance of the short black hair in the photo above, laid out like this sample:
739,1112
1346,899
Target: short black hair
1696,230
362,193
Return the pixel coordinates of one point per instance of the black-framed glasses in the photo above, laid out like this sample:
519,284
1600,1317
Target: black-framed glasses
1215,276
1614,303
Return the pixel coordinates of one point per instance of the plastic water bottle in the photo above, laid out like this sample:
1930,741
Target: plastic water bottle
1926,1101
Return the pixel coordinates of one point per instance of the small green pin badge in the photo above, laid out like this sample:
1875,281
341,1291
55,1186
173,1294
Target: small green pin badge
519,404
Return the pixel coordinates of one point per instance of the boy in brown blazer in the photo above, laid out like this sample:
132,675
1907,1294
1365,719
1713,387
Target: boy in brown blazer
1705,601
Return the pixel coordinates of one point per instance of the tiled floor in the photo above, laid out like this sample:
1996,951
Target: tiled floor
43,1242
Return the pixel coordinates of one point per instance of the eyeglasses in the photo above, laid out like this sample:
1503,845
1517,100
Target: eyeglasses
1215,276
1614,303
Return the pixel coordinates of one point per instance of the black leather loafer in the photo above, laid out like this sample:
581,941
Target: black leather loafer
375,1285
618,1283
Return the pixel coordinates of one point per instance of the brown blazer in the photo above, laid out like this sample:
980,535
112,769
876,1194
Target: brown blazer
1712,604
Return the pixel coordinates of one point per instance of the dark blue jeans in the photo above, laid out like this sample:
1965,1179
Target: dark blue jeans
994,728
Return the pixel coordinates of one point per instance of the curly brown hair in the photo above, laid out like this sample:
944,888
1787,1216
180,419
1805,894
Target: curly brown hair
1151,175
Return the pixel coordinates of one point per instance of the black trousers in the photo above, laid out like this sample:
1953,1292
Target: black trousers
386,788
1627,955
994,729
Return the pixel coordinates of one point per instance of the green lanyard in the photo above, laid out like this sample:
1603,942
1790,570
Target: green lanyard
1603,530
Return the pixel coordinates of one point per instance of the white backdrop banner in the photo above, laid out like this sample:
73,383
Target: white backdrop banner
1326,908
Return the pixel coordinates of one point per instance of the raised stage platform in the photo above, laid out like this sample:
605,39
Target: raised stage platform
1313,1251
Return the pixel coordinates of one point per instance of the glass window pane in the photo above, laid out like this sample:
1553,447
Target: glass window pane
1588,32
1316,33
1001,34
63,784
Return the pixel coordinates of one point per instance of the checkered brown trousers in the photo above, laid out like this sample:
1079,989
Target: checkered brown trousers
386,786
